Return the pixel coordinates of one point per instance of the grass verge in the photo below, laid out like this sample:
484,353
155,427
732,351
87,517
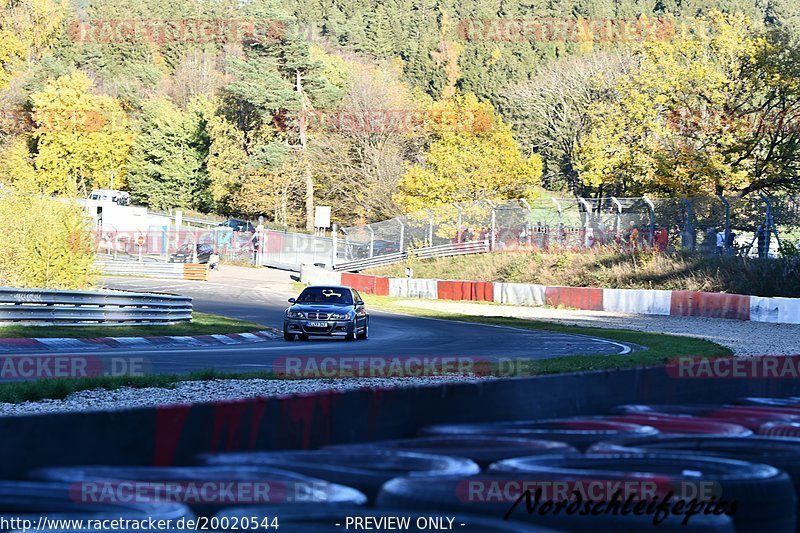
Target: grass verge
660,348
201,324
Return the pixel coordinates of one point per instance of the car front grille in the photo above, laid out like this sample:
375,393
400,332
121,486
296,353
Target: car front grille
317,316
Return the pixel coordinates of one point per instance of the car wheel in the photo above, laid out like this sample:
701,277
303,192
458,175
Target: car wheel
288,336
304,336
351,333
364,335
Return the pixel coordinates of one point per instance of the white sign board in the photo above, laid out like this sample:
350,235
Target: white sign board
322,216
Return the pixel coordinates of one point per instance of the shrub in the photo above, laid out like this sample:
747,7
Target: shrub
45,243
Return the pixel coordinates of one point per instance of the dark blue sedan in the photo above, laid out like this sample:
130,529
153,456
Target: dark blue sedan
329,311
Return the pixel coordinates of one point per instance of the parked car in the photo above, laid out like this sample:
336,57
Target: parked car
238,225
184,254
331,311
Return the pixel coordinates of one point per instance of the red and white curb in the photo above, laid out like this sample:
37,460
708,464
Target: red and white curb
60,343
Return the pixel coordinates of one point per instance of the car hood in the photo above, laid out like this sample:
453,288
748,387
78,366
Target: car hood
331,308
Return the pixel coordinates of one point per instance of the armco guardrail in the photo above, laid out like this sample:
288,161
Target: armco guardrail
369,262
154,269
75,308
445,250
429,252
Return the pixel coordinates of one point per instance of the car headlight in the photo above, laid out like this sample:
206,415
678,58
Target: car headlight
340,316
296,314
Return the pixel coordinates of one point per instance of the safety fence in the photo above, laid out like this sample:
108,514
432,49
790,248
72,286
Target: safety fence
754,226
634,301
75,308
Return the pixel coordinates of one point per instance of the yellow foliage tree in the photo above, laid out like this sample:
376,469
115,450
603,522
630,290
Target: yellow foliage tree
26,28
81,137
675,123
473,156
46,242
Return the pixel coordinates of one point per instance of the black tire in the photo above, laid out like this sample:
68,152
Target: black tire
579,432
365,334
303,336
484,450
288,336
765,497
681,425
791,403
323,519
351,332
751,417
457,494
780,429
365,470
282,487
782,453
31,499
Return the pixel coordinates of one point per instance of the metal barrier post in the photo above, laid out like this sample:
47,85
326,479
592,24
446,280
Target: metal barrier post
652,210
430,227
335,238
587,220
618,216
688,237
492,237
371,240
560,232
459,234
727,244
529,228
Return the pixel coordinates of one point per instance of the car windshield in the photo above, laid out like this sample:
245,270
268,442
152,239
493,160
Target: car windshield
326,295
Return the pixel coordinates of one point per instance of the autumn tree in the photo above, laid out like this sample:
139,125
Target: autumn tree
361,149
713,109
550,113
81,138
473,156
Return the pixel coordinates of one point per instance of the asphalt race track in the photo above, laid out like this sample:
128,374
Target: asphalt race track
390,334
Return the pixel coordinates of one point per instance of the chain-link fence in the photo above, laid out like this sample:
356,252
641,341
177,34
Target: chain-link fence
753,226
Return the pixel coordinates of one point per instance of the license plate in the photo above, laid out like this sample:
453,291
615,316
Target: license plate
317,324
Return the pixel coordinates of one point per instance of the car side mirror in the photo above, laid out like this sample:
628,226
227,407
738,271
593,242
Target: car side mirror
292,300
359,302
